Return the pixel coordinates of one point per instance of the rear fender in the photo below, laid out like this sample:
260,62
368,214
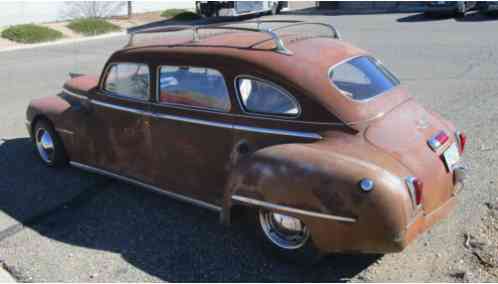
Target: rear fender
322,189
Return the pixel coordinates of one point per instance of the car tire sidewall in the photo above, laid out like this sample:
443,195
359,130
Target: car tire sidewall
308,254
60,158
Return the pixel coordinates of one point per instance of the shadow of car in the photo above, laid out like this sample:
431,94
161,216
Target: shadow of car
160,236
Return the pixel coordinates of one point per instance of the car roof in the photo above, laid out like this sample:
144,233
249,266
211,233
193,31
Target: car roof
309,55
240,53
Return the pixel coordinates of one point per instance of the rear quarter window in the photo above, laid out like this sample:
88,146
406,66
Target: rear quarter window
362,78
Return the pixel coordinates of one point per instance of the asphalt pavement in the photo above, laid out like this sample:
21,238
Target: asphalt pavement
67,225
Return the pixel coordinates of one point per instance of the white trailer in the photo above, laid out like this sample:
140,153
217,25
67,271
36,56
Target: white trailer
237,8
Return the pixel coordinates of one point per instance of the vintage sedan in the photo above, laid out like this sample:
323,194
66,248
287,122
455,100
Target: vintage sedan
314,138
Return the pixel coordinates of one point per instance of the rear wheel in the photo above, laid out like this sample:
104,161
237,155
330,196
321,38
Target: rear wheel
48,144
285,236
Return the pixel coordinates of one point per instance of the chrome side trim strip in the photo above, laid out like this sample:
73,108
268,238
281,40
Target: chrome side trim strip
64,131
291,210
310,135
74,94
147,186
132,110
192,120
300,134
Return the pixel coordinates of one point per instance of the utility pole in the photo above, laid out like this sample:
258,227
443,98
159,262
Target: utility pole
130,10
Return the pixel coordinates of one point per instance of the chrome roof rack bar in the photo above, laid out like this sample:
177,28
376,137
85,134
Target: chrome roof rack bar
279,44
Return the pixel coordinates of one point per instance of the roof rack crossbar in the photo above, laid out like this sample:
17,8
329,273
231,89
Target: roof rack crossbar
279,44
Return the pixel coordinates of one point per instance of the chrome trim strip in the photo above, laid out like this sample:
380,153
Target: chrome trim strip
300,134
74,94
192,120
290,209
64,131
132,110
147,186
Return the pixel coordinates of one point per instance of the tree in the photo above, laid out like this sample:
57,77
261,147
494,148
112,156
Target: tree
93,9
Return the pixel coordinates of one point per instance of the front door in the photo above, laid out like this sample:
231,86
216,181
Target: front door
119,127
192,132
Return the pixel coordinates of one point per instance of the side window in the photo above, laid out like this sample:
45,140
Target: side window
128,80
261,97
193,86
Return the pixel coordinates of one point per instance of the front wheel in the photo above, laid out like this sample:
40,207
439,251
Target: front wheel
287,237
48,144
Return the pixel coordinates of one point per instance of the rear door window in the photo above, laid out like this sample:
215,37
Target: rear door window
193,86
362,78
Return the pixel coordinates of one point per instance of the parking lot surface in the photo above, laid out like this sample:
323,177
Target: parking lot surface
67,225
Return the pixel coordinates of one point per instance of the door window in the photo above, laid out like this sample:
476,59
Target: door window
263,97
128,80
193,86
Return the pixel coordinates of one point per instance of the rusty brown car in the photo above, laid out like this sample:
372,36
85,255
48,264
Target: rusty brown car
314,137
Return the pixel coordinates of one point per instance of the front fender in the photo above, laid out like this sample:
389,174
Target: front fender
322,189
50,107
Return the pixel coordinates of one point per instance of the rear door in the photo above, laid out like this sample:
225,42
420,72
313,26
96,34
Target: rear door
192,132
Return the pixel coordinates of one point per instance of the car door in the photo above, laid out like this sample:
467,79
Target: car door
118,125
192,132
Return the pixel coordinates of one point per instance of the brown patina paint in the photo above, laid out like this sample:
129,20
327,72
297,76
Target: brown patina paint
379,139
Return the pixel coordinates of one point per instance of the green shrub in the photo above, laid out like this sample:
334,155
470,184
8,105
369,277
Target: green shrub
92,26
30,33
179,15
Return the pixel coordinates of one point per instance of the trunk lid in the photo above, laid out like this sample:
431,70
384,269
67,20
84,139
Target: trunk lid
404,133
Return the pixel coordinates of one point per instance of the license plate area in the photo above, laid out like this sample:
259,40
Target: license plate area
451,157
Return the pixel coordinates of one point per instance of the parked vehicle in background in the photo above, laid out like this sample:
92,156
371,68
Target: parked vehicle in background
488,7
237,8
457,8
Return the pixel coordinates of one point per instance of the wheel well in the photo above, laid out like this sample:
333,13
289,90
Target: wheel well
37,118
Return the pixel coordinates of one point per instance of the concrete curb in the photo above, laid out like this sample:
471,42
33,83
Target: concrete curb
5,276
63,41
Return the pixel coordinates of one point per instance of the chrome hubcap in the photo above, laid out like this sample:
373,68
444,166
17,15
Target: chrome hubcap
45,145
284,231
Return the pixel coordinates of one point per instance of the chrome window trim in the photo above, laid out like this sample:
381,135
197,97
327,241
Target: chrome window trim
276,86
74,94
173,195
352,58
119,96
273,206
189,107
301,134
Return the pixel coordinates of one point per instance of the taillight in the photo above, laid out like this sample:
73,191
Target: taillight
419,186
462,140
416,190
438,140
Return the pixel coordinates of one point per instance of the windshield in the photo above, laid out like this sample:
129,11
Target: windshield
362,78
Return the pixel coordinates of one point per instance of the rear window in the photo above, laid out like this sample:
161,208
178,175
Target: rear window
362,78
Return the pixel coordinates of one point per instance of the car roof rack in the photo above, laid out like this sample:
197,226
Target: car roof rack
279,44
